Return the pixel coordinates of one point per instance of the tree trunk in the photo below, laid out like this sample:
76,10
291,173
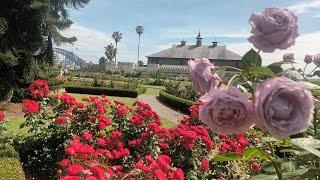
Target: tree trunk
115,58
138,50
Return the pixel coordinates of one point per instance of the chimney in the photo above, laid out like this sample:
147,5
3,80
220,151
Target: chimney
183,43
214,44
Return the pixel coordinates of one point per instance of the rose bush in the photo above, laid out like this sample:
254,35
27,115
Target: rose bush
98,138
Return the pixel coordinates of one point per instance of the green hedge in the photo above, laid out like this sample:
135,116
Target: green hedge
106,91
182,105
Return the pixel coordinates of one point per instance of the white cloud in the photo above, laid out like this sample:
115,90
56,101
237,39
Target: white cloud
304,7
305,44
191,32
316,16
91,42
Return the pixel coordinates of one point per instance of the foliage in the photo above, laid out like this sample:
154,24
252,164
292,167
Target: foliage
251,59
109,137
23,48
102,64
105,91
176,102
182,89
110,52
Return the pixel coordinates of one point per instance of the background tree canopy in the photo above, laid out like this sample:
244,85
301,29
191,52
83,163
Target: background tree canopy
28,30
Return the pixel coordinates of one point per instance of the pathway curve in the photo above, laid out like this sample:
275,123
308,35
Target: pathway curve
160,108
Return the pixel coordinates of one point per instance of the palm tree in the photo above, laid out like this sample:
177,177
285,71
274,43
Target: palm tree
110,52
139,30
117,36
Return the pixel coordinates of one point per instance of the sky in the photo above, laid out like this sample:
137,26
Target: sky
167,22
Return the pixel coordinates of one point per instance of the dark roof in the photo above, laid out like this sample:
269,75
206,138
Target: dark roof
199,36
193,51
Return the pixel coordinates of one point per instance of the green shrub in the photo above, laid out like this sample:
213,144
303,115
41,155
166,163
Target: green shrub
106,91
39,155
176,102
141,89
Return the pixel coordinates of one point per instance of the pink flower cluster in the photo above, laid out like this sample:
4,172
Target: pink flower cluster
280,106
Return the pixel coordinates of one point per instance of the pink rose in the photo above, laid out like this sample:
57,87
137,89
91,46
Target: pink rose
226,112
272,29
283,107
316,60
288,57
308,59
201,76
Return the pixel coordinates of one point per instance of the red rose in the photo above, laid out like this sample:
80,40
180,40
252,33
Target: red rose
255,167
60,120
65,163
87,136
30,106
74,169
160,175
71,178
204,164
91,178
1,116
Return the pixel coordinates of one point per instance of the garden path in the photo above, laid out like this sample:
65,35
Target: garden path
150,97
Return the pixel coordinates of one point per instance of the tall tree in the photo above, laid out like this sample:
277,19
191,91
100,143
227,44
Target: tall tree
117,36
110,52
139,30
102,64
28,30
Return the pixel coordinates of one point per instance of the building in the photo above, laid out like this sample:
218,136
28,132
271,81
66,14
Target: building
180,54
126,67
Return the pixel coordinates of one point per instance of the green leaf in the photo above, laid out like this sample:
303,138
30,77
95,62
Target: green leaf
308,144
264,177
251,59
311,173
295,152
255,153
228,157
248,154
295,173
260,71
268,139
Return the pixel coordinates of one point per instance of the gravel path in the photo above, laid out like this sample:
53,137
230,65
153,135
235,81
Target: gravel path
163,110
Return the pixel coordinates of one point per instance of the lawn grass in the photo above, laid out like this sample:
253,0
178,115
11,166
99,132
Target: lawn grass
152,90
10,166
127,100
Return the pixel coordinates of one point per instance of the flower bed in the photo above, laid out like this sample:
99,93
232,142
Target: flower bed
106,91
176,102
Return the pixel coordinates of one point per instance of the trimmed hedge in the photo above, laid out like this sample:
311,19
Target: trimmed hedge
106,91
182,105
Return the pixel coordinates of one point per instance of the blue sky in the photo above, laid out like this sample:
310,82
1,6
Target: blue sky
166,22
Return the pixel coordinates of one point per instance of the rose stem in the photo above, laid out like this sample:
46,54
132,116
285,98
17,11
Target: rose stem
275,165
304,70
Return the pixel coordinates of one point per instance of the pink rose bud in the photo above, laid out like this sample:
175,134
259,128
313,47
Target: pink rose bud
226,112
202,78
283,107
308,59
275,28
288,57
316,60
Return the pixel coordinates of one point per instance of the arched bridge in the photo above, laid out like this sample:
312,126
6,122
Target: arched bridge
70,57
